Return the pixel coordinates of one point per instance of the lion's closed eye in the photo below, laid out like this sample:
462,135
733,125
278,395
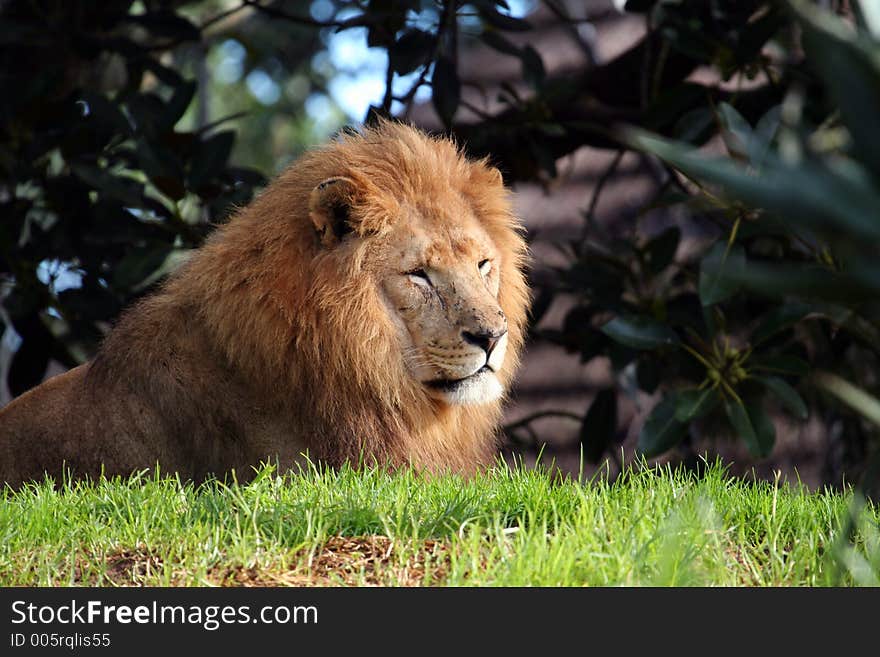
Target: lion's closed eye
419,277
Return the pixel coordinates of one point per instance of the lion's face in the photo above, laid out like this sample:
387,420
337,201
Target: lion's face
417,252
440,280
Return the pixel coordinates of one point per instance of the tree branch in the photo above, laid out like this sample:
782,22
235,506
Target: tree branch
541,414
222,15
571,28
274,12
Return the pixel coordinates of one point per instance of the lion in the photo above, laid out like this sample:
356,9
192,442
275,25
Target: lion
368,306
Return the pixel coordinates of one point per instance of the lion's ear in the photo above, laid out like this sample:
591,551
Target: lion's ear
495,176
330,209
485,174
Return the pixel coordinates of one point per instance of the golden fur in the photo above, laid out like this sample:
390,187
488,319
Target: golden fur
295,328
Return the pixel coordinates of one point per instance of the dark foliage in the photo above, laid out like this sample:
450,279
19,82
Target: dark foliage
775,311
98,189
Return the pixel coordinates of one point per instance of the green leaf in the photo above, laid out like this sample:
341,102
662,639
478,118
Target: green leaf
551,129
122,188
210,158
787,395
648,374
446,89
763,136
737,133
694,126
753,426
138,266
764,428
778,320
751,40
247,176
831,198
719,272
176,106
600,425
739,419
788,365
164,73
166,23
849,319
107,115
640,332
685,310
671,105
661,431
808,281
660,251
145,110
848,64
384,19
532,67
411,51
497,41
853,396
158,162
619,355
694,403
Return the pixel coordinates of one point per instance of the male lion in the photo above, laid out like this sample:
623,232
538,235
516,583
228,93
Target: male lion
369,305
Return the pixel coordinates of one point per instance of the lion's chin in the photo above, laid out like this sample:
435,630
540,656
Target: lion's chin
480,388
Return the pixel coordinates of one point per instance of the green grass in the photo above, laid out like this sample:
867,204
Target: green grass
510,527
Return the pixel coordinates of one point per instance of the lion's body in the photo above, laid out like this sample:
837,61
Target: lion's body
274,340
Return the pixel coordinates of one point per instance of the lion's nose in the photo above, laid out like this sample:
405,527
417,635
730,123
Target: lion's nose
485,339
